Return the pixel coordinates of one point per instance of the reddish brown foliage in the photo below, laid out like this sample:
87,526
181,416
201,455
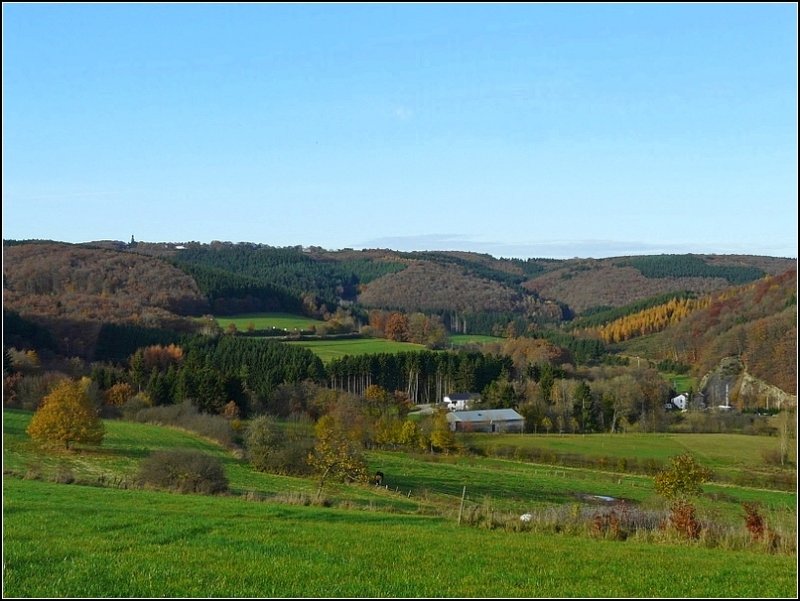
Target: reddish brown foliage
683,520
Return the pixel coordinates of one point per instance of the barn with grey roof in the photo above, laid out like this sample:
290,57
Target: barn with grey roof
486,420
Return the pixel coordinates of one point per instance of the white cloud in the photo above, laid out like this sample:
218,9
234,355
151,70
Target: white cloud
561,249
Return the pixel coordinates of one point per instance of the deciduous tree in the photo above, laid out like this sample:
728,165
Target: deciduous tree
442,438
335,454
682,478
67,416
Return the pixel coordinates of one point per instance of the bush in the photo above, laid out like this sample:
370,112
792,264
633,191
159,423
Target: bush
608,525
753,520
683,519
186,416
183,471
282,450
773,457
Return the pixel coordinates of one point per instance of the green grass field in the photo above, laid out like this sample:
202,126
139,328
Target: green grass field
372,541
464,339
714,450
73,541
681,382
420,482
266,321
333,349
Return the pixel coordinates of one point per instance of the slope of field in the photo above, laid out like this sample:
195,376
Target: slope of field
167,545
725,454
458,340
372,542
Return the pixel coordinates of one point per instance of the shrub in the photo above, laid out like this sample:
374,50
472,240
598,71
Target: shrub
135,404
683,520
753,520
773,457
183,471
186,416
271,448
64,475
608,525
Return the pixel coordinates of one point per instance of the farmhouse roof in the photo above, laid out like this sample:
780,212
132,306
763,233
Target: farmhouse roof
485,415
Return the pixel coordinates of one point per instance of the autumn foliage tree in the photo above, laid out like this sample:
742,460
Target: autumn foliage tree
119,394
335,454
442,438
682,478
397,327
678,482
66,416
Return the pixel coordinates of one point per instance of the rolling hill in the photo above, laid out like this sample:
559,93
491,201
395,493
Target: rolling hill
72,290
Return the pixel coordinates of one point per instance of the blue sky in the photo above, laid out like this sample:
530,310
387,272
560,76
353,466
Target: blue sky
527,130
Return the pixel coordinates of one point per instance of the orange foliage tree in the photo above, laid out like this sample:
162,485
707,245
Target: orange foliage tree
67,416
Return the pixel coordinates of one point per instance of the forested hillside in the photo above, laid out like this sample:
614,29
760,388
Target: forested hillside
103,300
585,284
70,291
71,281
429,286
756,322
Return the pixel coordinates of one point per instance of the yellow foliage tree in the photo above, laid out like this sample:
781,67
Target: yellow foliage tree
67,416
335,454
442,438
119,394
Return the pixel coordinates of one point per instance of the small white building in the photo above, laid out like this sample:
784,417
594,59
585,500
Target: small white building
679,402
460,401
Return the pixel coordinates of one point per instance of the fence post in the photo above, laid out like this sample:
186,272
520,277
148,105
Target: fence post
461,509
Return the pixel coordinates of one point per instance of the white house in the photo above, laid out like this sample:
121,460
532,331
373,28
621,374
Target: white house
486,420
679,402
460,401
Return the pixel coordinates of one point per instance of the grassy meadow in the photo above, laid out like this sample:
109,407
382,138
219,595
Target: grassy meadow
681,382
334,349
267,537
267,321
720,452
457,340
98,542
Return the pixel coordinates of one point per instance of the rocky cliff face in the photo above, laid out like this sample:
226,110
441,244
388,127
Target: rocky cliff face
730,384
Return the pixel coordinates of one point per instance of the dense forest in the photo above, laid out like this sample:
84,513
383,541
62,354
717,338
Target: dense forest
568,327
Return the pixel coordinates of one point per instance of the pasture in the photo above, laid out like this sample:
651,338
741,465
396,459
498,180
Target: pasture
682,383
716,451
334,349
268,538
457,340
420,482
268,321
170,545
